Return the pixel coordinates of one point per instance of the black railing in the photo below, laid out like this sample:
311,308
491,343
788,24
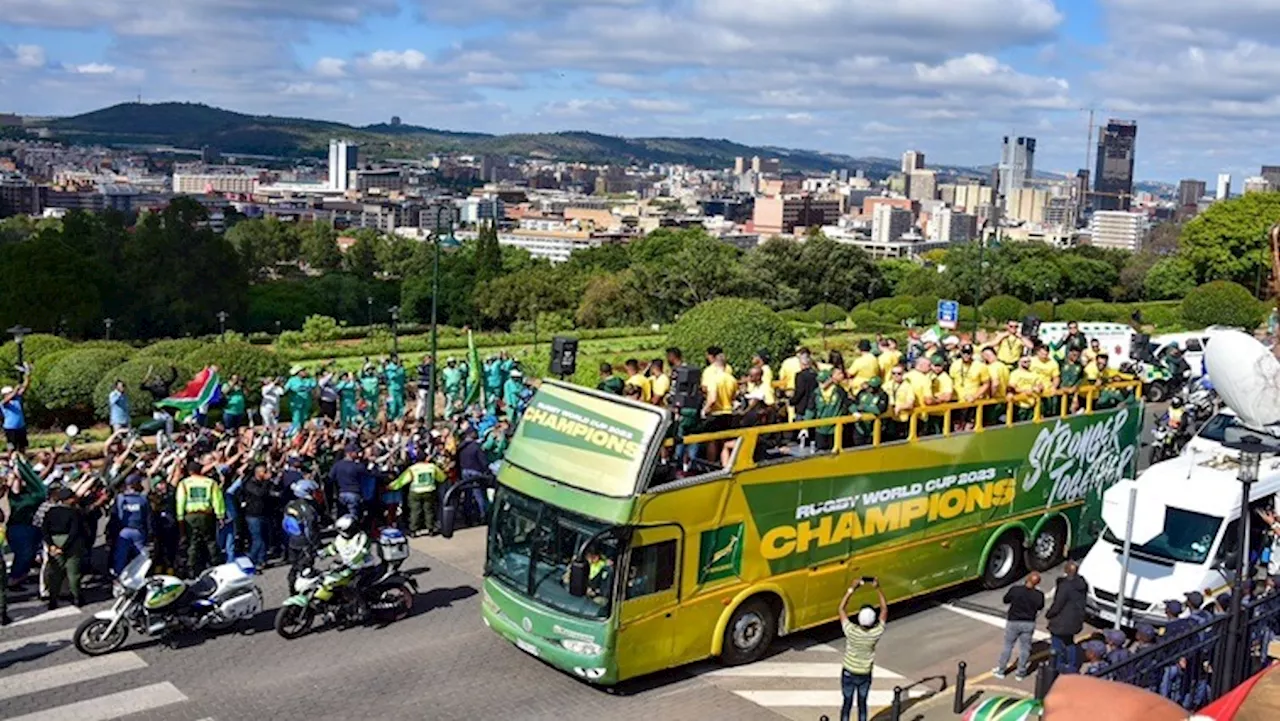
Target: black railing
1192,668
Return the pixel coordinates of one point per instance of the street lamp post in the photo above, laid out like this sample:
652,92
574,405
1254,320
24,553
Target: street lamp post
19,332
369,304
222,325
1251,449
108,323
277,329
435,303
395,318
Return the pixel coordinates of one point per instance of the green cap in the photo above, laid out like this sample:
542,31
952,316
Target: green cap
875,382
824,376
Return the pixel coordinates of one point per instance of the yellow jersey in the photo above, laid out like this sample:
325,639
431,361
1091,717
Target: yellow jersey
998,373
1047,370
1009,349
901,395
1093,374
969,379
943,387
888,360
721,387
642,382
787,372
763,391
1025,381
659,386
921,386
864,368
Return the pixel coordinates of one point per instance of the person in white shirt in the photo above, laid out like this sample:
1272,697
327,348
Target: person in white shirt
269,409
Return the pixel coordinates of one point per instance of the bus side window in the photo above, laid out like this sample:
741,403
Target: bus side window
652,569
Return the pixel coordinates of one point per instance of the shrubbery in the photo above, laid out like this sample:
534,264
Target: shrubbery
826,314
741,327
1001,308
66,393
133,372
319,328
172,349
1222,303
248,361
33,349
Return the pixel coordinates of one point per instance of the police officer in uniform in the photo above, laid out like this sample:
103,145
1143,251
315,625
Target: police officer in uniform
132,513
200,508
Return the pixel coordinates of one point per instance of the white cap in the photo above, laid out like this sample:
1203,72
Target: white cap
867,617
951,340
515,373
296,370
6,390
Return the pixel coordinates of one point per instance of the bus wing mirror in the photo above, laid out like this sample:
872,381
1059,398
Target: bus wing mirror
577,578
448,517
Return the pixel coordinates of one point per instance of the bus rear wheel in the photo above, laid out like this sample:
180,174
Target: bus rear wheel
750,632
1048,548
1004,562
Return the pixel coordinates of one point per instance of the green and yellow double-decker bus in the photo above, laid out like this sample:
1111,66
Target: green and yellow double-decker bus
603,563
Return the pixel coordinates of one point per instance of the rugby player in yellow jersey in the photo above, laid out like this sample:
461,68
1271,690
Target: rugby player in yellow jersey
1009,345
998,378
761,360
1025,382
969,375
637,378
944,390
902,399
790,367
865,367
890,358
659,381
1050,374
920,379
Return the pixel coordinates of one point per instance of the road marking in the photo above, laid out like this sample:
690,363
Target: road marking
69,673
878,698
782,669
61,612
33,646
988,619
113,706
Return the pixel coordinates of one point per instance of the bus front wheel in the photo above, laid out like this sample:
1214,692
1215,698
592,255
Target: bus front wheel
1003,562
1049,547
750,631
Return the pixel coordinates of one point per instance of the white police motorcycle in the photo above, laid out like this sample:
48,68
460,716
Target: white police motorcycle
159,605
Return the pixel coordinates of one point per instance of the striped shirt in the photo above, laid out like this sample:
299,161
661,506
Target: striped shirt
860,646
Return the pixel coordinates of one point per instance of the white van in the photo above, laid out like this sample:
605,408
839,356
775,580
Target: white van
1197,499
1113,338
1192,344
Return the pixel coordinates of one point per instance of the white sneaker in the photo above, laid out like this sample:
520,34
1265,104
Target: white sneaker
997,672
1020,677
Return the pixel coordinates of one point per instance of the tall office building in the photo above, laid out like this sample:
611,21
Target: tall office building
1257,184
1272,174
922,185
912,160
344,156
1113,174
889,223
1190,191
1224,186
1017,163
739,165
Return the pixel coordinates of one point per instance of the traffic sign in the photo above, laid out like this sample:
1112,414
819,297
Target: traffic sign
948,314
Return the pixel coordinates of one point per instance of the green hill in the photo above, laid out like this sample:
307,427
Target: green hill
191,125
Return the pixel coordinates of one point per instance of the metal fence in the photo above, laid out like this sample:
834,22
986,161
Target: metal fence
1193,669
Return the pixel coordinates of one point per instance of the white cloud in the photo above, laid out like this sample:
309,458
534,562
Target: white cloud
331,67
395,60
657,105
92,69
29,56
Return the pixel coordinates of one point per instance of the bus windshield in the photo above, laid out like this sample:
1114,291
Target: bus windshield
531,544
1187,537
584,440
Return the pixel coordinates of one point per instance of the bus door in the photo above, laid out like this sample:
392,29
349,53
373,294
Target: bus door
650,591
827,564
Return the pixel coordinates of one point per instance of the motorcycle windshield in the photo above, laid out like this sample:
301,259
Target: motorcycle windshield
134,575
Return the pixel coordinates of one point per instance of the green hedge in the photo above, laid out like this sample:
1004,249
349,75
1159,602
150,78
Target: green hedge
741,327
1222,303
34,348
67,392
172,349
132,372
248,361
827,314
1001,308
379,343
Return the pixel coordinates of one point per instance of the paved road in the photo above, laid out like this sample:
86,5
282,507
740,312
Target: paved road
443,664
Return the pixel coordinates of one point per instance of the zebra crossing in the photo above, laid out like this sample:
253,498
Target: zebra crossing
43,677
803,682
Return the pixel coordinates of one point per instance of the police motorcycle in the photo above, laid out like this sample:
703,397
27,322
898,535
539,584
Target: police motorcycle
380,588
158,605
1168,438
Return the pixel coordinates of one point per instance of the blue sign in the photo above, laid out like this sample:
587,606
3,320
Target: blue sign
948,313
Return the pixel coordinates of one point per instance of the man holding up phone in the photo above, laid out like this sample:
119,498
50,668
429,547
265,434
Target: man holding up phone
861,638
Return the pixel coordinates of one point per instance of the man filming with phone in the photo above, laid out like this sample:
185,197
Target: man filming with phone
861,636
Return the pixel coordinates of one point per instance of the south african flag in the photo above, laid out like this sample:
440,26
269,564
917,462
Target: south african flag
196,397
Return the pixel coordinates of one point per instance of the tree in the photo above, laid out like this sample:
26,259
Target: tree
1222,302
1171,278
395,255
895,271
488,254
1084,277
319,247
1229,240
607,258
524,295
264,243
610,299
740,327
697,268
361,259
815,271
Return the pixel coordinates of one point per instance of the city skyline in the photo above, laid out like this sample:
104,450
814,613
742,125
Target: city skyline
949,79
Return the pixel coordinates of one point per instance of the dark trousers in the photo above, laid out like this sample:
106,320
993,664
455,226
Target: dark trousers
422,511
854,685
1064,650
4,587
64,566
202,541
257,539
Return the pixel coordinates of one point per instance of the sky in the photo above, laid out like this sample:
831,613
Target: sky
863,77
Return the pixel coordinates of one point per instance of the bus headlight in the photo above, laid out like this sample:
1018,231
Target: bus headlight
582,648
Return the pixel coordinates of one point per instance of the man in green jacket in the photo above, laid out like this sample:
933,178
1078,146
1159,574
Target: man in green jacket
873,401
609,383
830,401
